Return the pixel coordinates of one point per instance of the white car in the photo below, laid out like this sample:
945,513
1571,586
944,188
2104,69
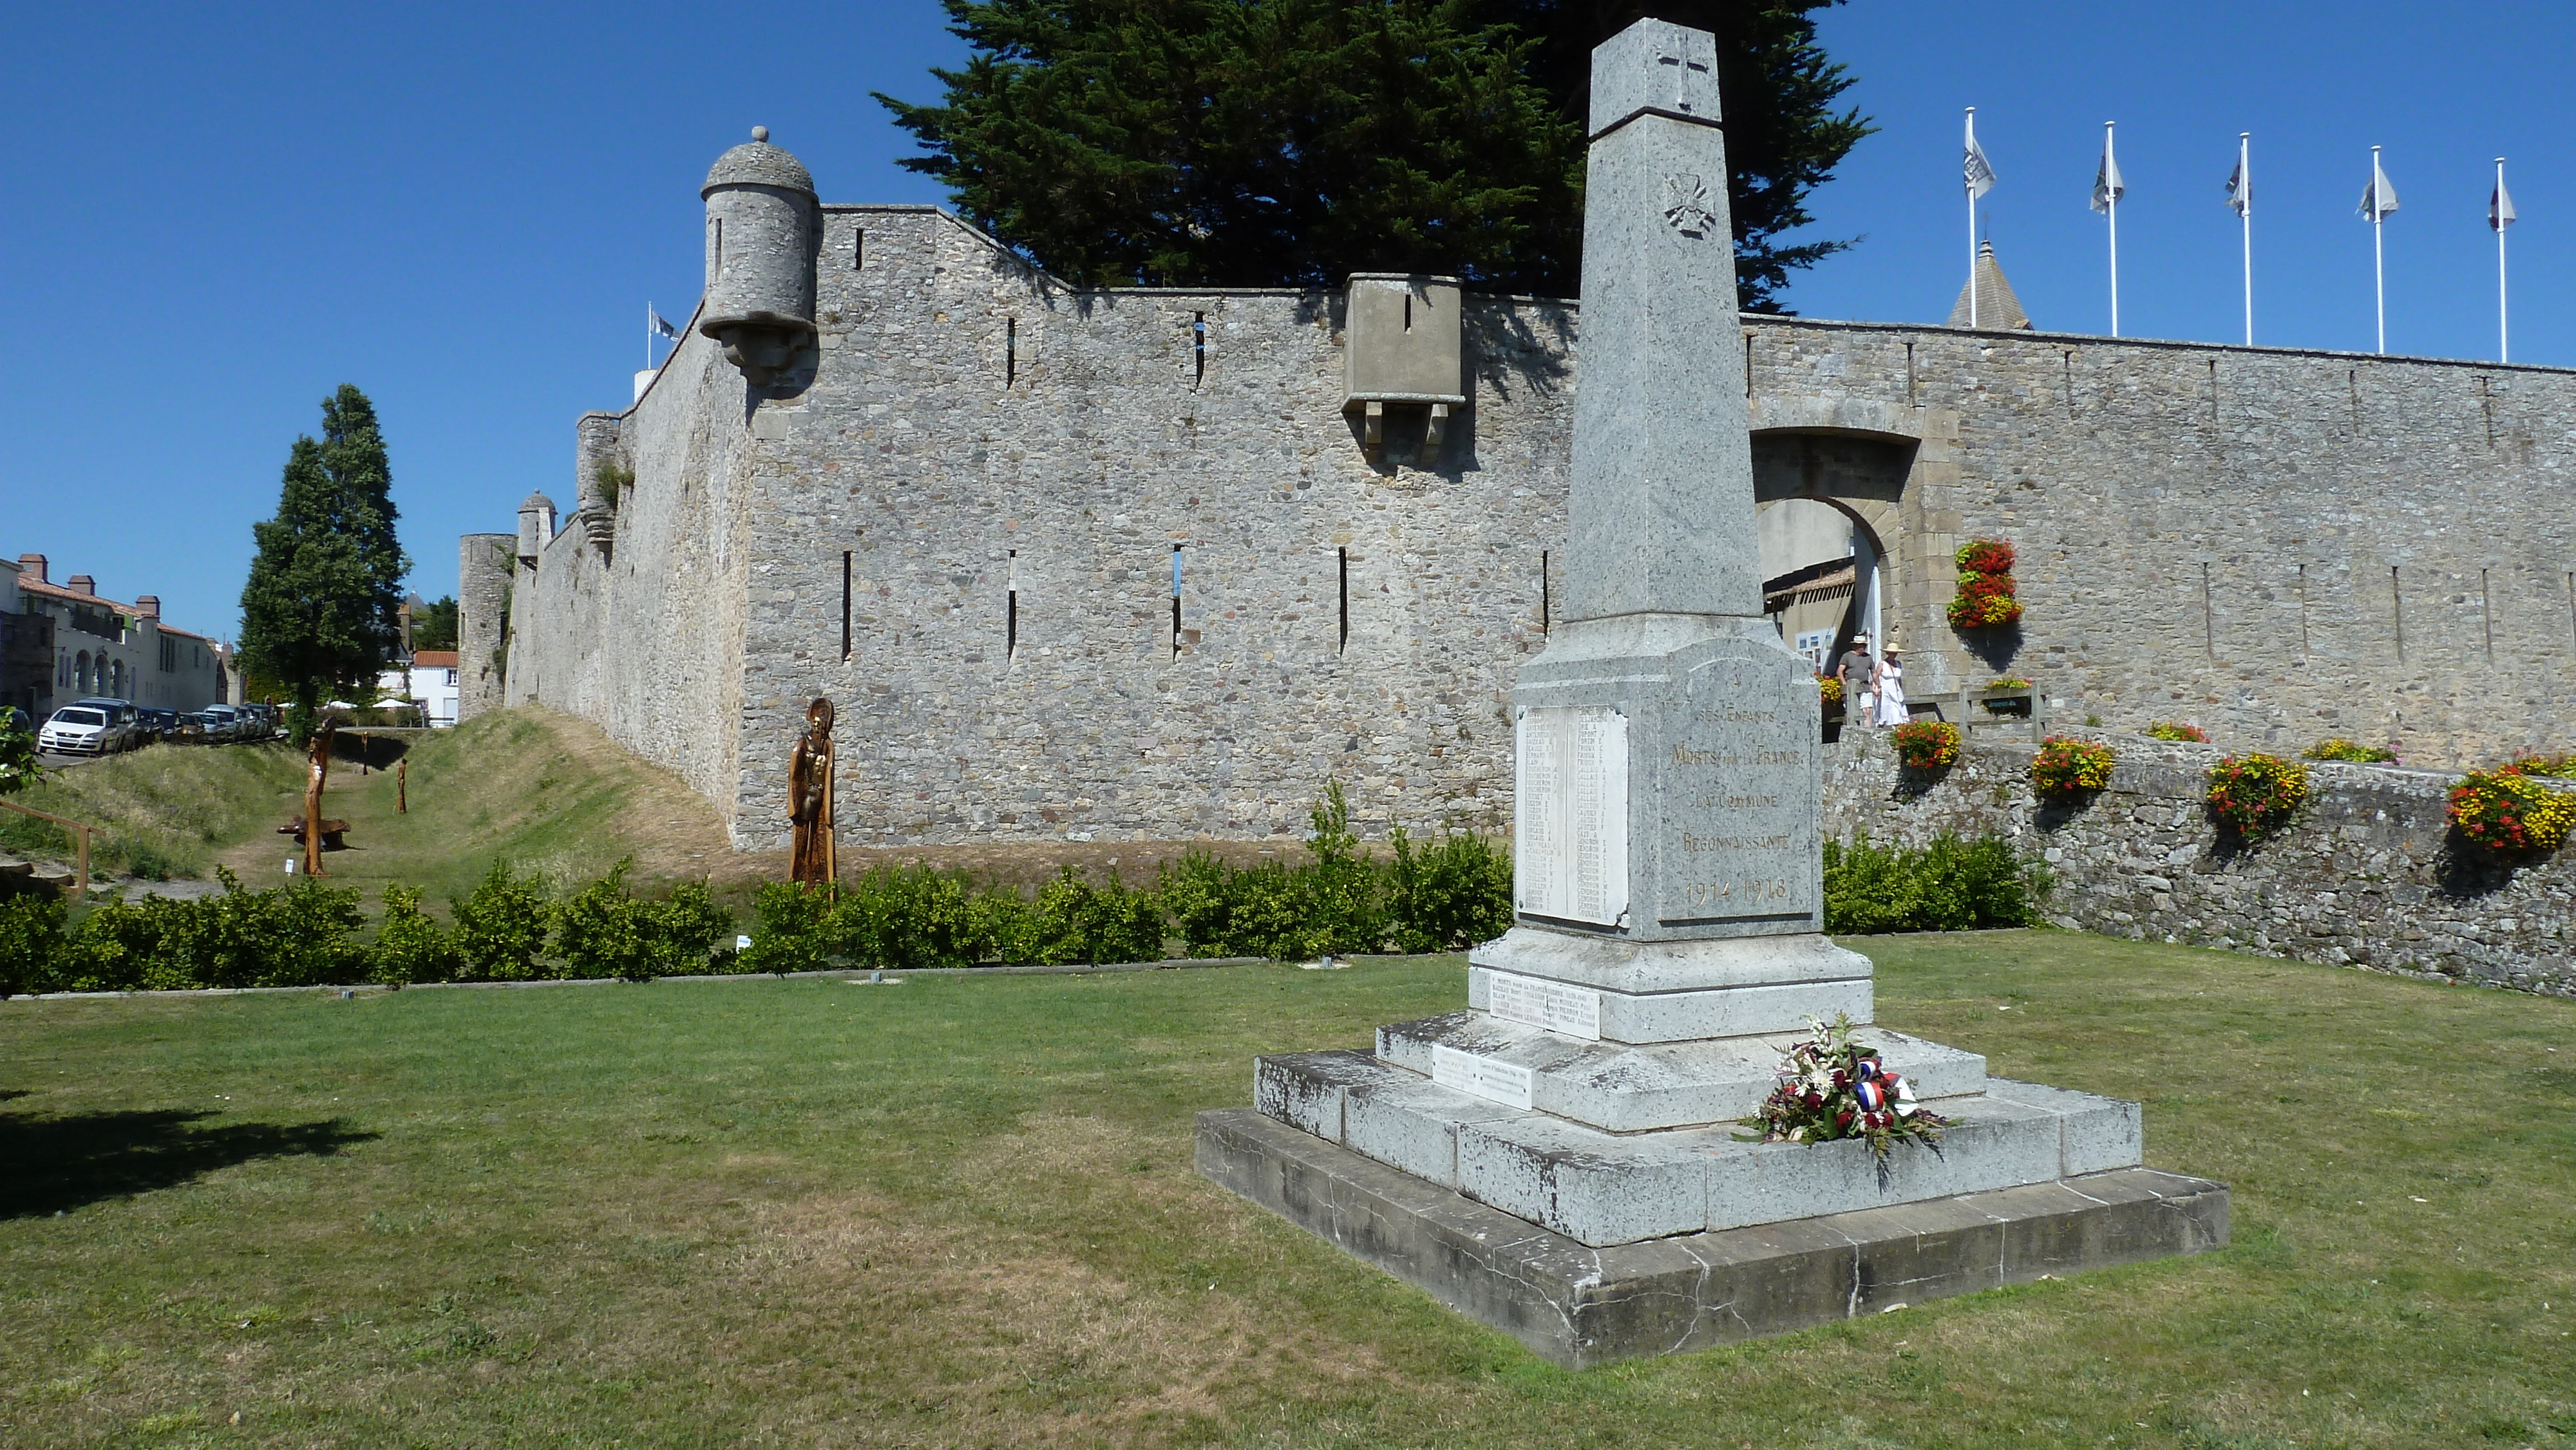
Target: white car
87,730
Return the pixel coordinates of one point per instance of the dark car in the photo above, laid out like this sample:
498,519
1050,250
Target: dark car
158,724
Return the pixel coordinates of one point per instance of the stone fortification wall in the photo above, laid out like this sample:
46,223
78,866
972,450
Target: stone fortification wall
2366,875
485,565
634,616
976,433
2279,545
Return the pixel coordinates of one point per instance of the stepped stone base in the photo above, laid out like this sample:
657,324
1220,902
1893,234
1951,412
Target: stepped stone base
1602,1188
1578,1305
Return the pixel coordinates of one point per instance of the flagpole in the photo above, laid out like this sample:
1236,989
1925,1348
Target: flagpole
1972,230
2245,169
2503,352
2111,208
2378,257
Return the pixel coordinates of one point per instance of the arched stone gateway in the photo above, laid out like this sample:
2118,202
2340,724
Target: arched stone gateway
1891,471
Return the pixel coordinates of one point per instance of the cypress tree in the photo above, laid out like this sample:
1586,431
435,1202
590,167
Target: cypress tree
1290,142
321,613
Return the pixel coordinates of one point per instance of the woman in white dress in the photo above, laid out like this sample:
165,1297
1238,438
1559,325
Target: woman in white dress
1889,687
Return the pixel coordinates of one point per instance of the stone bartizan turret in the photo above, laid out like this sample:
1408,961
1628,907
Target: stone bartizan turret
763,224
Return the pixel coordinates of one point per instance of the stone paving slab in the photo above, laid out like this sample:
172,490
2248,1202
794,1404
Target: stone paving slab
1633,1089
1580,1306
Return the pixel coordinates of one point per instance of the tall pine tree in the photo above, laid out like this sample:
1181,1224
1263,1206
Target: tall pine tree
1289,142
321,613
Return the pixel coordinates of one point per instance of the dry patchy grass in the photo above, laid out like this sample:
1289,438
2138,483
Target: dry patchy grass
961,1213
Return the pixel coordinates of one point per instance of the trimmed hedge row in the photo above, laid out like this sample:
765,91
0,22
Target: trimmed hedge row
1949,885
306,934
1443,896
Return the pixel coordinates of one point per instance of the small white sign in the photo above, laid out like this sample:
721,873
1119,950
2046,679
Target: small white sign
1497,1082
1558,1007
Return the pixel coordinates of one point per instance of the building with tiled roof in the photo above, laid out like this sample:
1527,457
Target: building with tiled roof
62,641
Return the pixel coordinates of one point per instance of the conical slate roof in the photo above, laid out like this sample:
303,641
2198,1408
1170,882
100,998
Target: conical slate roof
757,163
1997,307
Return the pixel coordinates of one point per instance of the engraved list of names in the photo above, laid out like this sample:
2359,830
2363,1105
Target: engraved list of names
1570,857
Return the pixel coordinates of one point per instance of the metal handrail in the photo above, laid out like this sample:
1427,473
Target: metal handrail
80,883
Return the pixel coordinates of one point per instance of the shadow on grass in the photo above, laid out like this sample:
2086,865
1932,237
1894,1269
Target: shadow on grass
63,1163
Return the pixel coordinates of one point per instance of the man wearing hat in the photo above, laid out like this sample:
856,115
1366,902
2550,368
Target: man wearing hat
1856,670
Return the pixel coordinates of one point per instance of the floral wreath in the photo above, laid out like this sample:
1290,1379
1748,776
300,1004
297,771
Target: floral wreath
1833,1086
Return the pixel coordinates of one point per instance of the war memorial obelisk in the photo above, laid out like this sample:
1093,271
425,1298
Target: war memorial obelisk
1562,1160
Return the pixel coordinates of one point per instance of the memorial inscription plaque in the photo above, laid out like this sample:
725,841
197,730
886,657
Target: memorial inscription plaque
1559,1007
1484,1077
1739,832
1571,827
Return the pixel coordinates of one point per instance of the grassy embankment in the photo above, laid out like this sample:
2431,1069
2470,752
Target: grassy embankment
164,811
544,791
962,1213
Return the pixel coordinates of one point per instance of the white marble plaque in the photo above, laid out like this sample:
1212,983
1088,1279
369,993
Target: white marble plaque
1559,1007
1495,1082
1570,847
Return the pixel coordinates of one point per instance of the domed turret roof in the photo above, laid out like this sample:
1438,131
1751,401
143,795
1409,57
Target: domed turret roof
757,163
536,501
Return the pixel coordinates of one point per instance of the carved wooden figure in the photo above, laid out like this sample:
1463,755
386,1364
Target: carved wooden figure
319,772
402,787
809,800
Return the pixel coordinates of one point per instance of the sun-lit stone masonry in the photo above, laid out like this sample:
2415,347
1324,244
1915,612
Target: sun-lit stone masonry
964,508
2366,875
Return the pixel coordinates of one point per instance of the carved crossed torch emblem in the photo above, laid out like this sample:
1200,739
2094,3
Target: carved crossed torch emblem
1686,205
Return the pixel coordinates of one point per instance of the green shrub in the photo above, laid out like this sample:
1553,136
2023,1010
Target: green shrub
31,936
604,931
1080,922
19,763
501,927
792,930
1197,897
1949,885
1342,891
1012,929
410,947
108,949
299,935
908,918
1450,896
1268,915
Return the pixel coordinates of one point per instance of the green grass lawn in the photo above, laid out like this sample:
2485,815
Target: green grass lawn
961,1213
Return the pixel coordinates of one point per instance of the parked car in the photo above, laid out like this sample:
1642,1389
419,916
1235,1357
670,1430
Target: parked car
89,729
199,728
157,724
230,723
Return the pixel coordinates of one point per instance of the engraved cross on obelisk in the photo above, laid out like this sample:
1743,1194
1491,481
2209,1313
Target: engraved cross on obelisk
1667,750
1668,740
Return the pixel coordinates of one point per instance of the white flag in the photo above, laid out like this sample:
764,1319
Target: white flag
662,325
2379,198
1980,176
2240,184
2107,186
2500,206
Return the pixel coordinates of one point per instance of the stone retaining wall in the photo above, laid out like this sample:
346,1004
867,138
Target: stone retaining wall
2367,875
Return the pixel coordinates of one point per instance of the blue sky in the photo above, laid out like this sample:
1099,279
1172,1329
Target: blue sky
463,209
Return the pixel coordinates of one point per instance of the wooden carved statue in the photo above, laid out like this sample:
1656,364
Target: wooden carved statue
809,800
319,772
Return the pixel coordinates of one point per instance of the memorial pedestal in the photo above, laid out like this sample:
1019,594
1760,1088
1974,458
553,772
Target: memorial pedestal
1580,1306
1562,1158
